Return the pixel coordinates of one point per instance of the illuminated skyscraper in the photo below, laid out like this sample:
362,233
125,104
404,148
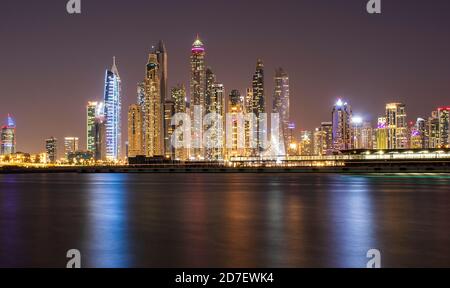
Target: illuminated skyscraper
234,135
91,110
100,137
444,127
51,148
281,104
135,131
113,108
342,115
214,125
197,95
258,102
433,131
179,98
209,92
381,134
153,118
8,137
162,57
306,147
70,145
397,126
323,139
169,111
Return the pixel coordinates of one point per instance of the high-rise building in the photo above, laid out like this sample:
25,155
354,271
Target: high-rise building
381,134
91,110
214,125
179,98
100,138
342,115
166,102
306,147
8,137
362,134
153,118
433,131
397,126
51,148
444,127
70,145
113,110
323,139
169,111
327,128
422,130
135,131
281,104
161,53
197,96
235,140
259,103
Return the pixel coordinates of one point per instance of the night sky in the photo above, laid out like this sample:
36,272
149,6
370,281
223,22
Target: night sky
52,63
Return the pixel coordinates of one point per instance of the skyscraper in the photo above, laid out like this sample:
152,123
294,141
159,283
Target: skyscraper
397,126
381,134
179,98
70,145
113,107
197,96
169,111
342,115
281,104
235,110
162,57
153,118
51,148
259,103
135,131
214,134
100,138
444,127
433,130
91,110
8,137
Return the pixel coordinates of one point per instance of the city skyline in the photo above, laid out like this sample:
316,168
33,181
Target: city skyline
313,82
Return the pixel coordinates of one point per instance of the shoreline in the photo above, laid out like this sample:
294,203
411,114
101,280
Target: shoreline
348,169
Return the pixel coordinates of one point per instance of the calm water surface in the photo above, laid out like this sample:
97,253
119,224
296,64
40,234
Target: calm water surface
224,220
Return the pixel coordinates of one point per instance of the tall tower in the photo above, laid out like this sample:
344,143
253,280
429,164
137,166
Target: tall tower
397,126
70,145
134,130
91,113
153,119
214,134
258,101
342,115
113,109
281,104
235,109
197,95
162,57
51,148
8,137
179,99
444,127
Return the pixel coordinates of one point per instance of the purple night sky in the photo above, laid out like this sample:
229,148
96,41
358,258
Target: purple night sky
52,63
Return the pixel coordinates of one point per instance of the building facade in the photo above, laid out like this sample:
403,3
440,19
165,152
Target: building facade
135,137
112,112
342,132
51,148
281,104
8,137
397,126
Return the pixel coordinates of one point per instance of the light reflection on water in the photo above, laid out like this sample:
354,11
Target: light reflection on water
224,220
